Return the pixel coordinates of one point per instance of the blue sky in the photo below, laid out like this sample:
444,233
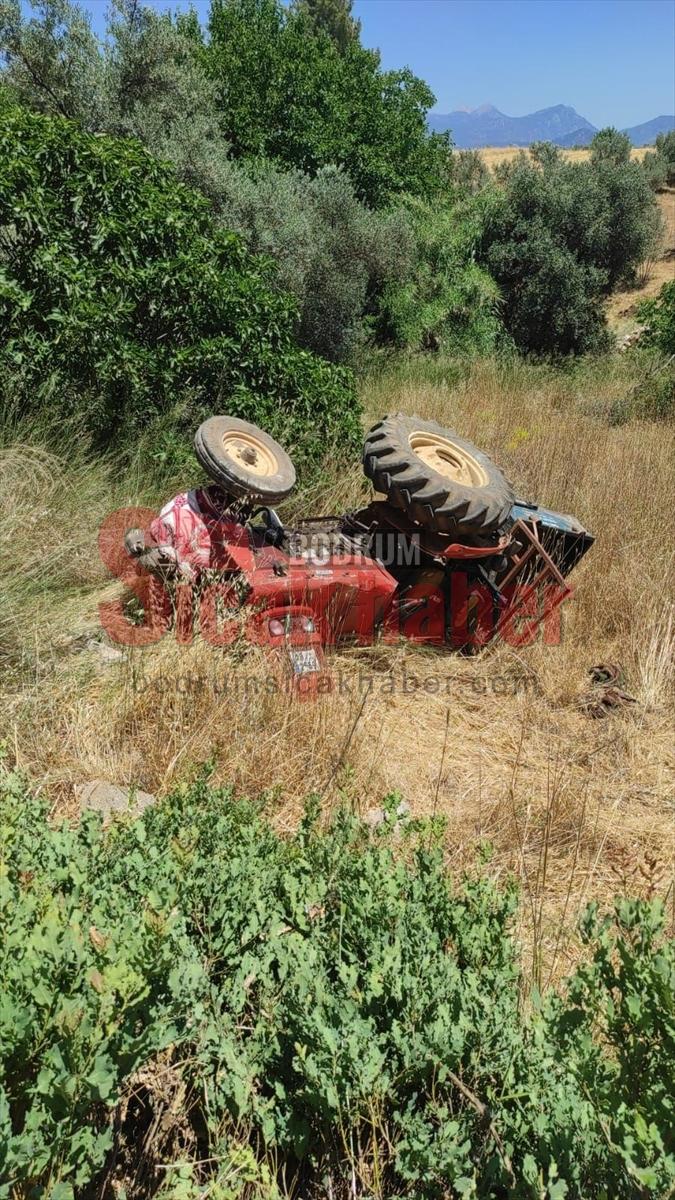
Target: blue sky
612,60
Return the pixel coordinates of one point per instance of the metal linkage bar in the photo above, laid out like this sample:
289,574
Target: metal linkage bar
536,570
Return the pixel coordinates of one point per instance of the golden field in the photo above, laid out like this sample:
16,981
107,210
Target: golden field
498,744
494,155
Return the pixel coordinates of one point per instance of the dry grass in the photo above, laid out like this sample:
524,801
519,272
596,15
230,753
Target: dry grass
494,155
567,801
498,743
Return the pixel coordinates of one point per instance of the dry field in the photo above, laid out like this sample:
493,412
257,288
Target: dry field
497,744
498,154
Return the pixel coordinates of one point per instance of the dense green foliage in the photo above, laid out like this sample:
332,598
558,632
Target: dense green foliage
288,92
557,236
446,301
52,61
659,166
332,17
287,123
319,994
145,81
291,84
149,80
659,317
609,145
121,300
333,254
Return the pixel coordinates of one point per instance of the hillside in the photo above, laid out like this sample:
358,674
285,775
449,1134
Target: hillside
487,126
476,128
646,134
578,137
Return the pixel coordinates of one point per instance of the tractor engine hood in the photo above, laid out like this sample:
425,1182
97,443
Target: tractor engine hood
561,535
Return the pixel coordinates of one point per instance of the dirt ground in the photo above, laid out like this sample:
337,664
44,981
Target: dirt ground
621,307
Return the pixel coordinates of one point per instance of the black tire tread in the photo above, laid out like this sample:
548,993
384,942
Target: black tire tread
431,499
270,489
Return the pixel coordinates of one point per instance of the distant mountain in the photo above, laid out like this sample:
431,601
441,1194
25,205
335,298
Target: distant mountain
645,134
578,137
487,126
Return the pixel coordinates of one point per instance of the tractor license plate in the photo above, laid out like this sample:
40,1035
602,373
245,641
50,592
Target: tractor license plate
304,662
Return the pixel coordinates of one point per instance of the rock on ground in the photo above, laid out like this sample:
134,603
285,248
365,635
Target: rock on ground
377,816
107,798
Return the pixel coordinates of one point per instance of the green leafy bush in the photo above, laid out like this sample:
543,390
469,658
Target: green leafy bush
659,166
656,350
121,300
468,171
609,145
333,254
332,998
558,236
444,300
658,315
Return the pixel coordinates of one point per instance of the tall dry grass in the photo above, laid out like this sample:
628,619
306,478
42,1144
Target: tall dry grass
498,744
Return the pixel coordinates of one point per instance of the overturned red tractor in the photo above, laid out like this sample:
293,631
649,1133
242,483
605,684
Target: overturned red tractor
445,553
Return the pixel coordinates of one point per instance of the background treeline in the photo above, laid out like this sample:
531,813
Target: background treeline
359,229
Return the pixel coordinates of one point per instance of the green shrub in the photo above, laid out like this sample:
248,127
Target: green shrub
558,236
445,301
468,171
626,225
552,302
659,166
609,145
331,997
658,315
333,254
122,301
655,350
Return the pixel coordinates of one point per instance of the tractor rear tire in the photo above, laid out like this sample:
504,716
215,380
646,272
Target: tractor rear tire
439,479
244,460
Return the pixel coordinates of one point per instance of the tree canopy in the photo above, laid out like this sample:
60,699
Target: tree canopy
288,91
123,301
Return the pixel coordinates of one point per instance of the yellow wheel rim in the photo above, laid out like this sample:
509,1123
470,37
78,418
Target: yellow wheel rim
448,459
248,452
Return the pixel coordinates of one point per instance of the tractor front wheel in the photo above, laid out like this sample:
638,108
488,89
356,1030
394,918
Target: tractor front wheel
245,461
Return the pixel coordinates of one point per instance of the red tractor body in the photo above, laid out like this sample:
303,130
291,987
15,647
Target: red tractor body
450,558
